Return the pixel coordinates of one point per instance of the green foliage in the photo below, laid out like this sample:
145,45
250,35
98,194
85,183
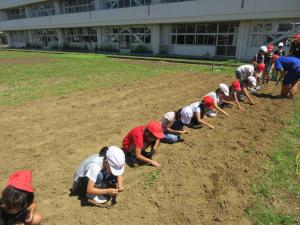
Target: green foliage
266,216
109,49
152,177
142,49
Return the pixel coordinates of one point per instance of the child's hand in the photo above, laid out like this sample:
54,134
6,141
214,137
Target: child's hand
29,217
155,163
241,108
112,191
184,132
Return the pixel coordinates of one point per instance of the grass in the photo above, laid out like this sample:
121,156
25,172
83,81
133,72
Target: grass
277,192
26,76
152,178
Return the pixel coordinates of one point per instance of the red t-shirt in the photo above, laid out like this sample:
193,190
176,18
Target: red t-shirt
135,136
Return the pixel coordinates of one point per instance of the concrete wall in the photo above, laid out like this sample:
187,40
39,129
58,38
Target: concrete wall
200,10
197,50
4,4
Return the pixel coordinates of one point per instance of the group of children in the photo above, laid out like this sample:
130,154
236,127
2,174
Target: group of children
99,178
273,62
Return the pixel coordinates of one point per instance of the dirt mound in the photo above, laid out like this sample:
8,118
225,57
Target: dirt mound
204,180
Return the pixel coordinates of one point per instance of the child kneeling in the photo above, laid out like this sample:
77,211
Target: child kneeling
17,205
100,175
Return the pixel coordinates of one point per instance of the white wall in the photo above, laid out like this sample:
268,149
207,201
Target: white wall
194,50
190,11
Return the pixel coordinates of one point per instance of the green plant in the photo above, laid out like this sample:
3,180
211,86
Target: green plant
108,48
152,177
141,49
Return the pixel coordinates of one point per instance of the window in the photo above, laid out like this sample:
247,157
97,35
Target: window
180,39
75,6
212,28
16,13
139,35
191,28
223,35
44,37
285,27
265,33
81,35
43,9
181,28
189,39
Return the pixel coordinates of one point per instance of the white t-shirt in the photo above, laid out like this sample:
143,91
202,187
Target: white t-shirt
195,107
90,168
247,70
214,96
168,118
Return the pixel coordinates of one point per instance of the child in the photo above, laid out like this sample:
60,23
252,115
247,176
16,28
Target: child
218,96
274,72
260,56
171,131
289,68
17,205
295,46
193,114
245,74
268,64
234,93
139,139
100,175
280,51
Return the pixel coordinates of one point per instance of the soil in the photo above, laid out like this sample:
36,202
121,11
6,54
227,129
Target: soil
21,61
204,180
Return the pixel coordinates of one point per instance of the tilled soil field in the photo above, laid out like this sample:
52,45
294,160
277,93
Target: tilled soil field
204,180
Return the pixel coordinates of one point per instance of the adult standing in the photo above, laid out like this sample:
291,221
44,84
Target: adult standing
289,68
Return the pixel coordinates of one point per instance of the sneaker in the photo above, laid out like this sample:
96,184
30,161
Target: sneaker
258,87
253,90
98,200
180,139
211,114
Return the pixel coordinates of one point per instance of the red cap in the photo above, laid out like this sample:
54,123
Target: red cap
21,179
155,128
270,47
208,102
236,85
261,67
296,37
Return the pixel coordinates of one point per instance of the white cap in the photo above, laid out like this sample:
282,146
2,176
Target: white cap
170,116
186,115
280,44
264,48
224,88
116,160
252,80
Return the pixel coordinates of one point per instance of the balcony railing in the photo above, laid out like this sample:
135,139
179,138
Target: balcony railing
104,5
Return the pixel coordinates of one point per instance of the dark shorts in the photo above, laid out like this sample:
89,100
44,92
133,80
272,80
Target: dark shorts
290,78
239,75
268,68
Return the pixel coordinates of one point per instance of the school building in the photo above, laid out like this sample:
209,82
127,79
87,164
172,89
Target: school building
208,28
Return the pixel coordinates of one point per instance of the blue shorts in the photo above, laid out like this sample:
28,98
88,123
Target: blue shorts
290,78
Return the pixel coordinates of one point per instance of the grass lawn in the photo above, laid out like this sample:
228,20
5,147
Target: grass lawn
25,76
277,192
